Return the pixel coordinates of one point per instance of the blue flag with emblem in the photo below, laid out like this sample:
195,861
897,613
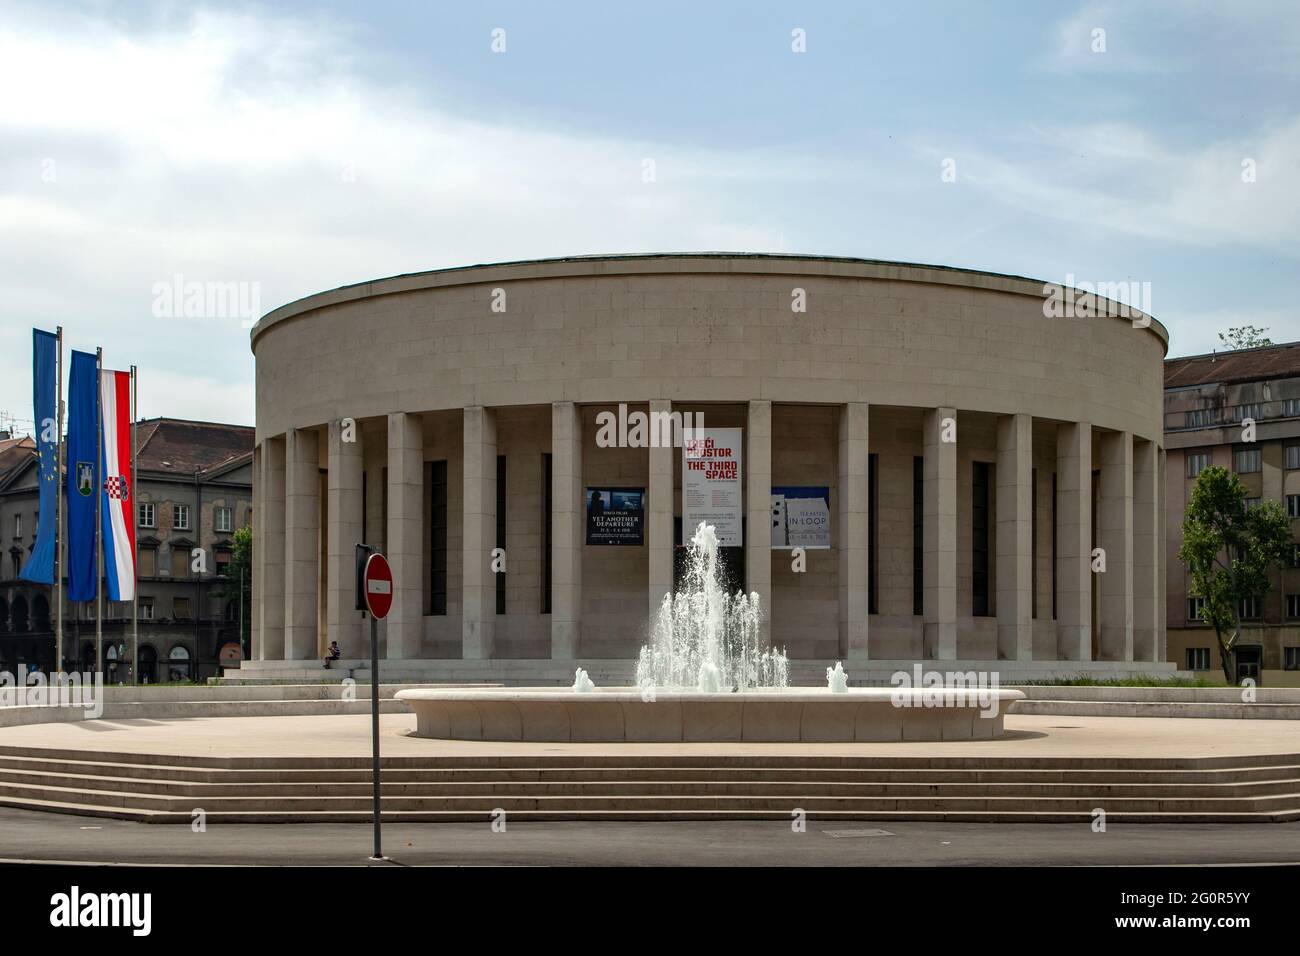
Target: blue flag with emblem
45,366
83,475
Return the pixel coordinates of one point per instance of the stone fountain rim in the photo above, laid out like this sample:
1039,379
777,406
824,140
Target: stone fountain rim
795,695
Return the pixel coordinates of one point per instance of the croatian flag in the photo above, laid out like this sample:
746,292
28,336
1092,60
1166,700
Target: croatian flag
117,527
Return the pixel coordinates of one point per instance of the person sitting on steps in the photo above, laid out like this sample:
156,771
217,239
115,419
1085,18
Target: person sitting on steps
332,654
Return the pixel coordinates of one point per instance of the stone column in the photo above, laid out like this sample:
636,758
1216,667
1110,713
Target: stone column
478,624
853,513
1115,534
566,530
659,514
758,511
268,531
405,534
1074,541
346,515
301,543
1014,537
939,495
1147,545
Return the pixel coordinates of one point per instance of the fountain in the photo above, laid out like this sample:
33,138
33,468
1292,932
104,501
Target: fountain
706,676
705,638
836,680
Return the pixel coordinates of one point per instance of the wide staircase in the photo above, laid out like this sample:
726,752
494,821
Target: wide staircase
171,789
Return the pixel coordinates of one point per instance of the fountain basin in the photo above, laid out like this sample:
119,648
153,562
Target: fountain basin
808,715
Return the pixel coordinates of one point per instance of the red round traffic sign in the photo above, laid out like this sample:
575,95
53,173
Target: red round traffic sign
378,582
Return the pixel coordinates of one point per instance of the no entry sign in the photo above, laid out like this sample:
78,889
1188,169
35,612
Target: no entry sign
378,583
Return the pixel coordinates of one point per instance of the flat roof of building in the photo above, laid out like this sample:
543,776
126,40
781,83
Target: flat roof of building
1237,365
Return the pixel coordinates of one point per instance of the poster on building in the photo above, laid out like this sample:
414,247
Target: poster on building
711,483
616,516
801,516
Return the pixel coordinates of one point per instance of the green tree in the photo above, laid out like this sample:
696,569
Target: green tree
238,576
1245,337
1229,551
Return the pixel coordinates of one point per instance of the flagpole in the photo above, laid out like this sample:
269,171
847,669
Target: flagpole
99,537
135,536
58,534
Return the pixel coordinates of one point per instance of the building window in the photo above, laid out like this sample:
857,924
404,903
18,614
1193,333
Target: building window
1197,462
146,609
1253,410
1291,658
1295,555
222,519
979,580
1202,418
438,542
222,559
18,526
1195,605
918,535
1250,504
181,608
148,562
501,531
1293,506
873,536
147,519
180,562
1198,658
1033,543
546,532
1291,409
1293,606
181,517
1247,461
1248,609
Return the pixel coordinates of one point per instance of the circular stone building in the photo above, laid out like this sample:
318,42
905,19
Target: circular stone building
924,463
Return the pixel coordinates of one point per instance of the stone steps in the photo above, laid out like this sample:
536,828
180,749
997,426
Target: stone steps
633,786
168,788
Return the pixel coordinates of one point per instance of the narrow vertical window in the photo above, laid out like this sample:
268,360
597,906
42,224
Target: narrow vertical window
1033,543
918,535
546,532
979,577
438,535
501,531
873,536
1054,507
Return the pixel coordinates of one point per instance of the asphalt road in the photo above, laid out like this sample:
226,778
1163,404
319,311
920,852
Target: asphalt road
48,837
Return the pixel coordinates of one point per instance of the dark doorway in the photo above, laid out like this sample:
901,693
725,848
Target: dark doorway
1249,661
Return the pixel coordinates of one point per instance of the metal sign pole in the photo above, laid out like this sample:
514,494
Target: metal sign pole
374,728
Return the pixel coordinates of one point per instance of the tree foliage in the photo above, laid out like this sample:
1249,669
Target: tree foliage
1229,551
1245,337
239,571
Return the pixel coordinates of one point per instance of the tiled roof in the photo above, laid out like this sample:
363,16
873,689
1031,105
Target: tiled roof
1242,365
184,447
169,445
14,454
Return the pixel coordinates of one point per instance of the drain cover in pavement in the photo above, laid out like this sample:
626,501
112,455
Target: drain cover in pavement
841,834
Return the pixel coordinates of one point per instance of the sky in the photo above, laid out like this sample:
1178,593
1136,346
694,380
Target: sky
275,150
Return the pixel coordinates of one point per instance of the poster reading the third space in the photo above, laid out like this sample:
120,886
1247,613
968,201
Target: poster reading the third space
711,484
